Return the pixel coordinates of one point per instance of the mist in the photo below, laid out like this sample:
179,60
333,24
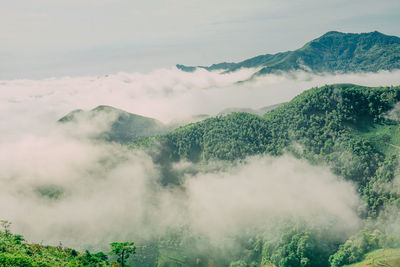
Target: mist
164,94
58,184
87,194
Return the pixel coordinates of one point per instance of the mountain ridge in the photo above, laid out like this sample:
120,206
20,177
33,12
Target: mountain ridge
333,52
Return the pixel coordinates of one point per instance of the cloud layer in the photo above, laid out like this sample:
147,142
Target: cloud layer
165,94
56,185
89,194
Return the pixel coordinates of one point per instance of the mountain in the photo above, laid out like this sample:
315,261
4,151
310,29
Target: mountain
354,130
116,125
317,125
333,52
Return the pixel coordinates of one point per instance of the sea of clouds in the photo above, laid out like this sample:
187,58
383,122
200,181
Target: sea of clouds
57,184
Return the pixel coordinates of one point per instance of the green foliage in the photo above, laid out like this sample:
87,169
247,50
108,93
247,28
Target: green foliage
300,247
15,252
122,250
6,227
8,259
96,259
354,249
379,258
327,125
240,263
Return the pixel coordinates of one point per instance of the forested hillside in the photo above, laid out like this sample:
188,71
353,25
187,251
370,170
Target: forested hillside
344,125
352,129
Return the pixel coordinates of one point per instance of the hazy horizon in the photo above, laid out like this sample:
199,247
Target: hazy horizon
44,39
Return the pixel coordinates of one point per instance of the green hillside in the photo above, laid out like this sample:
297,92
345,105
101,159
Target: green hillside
343,125
318,124
347,127
14,251
333,52
125,127
380,258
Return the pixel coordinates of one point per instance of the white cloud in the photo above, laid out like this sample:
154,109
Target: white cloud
165,94
108,193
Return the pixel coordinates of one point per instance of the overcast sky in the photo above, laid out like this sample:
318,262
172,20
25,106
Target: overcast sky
46,38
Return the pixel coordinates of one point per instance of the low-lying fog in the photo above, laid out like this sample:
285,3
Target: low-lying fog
57,185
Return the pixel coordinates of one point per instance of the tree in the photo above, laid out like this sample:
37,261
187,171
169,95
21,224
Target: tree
122,250
6,227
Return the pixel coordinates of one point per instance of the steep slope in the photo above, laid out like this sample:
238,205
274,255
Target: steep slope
333,52
116,125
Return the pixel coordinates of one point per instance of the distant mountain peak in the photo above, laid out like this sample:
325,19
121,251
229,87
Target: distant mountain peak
356,36
124,126
333,52
105,108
